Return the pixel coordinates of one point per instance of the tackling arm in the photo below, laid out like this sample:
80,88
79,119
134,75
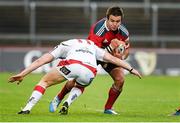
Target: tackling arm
46,58
109,58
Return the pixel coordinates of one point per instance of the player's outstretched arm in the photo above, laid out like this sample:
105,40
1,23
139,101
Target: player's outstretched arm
109,58
46,58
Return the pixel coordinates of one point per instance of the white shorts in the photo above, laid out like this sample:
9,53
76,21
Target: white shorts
72,69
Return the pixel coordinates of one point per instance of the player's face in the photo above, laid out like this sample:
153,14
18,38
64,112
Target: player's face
113,22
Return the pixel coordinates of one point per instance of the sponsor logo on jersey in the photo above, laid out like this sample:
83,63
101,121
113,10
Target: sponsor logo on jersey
84,50
65,70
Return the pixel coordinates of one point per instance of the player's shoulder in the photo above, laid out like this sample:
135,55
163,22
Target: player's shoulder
123,30
70,42
99,27
79,41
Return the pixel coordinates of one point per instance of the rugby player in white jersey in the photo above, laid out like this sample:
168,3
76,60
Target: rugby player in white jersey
79,64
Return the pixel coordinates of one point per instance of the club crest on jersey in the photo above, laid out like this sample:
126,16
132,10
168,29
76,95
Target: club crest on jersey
105,41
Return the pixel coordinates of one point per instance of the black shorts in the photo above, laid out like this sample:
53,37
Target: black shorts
108,67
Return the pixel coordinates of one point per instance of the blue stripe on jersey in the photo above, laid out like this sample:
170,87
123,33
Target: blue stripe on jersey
123,30
100,28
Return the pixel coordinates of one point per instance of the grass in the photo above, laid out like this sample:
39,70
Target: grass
150,99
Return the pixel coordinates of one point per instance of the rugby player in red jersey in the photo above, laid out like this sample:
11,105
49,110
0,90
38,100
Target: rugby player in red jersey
106,31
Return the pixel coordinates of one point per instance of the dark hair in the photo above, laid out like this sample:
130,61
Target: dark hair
115,11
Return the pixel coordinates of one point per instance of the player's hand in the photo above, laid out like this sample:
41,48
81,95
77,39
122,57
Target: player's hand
115,43
135,72
15,78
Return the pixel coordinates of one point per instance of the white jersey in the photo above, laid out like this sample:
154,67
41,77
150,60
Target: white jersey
80,56
79,49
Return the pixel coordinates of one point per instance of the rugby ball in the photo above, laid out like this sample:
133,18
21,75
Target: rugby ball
121,48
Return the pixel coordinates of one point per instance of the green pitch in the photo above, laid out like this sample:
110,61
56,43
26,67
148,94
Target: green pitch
152,98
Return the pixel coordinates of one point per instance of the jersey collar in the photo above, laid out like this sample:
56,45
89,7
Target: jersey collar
105,23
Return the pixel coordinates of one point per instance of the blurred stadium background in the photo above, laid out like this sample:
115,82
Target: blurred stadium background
30,27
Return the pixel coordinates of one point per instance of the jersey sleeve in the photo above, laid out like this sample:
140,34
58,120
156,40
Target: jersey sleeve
93,36
99,53
60,51
96,39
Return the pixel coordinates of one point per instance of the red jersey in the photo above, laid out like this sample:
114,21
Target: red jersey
102,36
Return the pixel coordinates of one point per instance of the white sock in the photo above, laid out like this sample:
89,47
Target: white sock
35,97
74,93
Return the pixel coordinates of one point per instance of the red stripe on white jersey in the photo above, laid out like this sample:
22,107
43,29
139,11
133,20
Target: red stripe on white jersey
71,61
